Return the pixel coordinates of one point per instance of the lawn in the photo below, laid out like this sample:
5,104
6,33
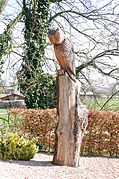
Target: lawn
96,104
4,116
2,111
2,95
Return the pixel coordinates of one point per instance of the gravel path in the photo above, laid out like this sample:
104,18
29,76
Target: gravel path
41,168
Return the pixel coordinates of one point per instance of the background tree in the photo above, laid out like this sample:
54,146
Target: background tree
38,87
2,5
7,43
93,28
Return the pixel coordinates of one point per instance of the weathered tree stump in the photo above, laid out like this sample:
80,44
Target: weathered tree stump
72,114
72,122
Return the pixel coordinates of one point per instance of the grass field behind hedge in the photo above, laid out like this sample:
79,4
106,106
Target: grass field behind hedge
111,105
4,116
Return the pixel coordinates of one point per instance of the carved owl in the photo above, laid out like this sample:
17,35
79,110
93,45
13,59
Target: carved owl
63,51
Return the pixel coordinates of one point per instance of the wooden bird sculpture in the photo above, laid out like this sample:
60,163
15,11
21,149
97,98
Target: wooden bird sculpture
63,51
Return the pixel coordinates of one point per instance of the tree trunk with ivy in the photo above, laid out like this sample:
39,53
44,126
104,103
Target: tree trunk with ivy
3,3
37,87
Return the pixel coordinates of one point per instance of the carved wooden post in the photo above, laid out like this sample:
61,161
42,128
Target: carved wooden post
72,114
72,122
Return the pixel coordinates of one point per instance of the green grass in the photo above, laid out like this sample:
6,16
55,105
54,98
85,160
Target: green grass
8,122
4,116
2,95
4,110
98,104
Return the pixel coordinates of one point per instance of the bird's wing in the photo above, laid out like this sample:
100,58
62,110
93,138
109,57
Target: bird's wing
65,55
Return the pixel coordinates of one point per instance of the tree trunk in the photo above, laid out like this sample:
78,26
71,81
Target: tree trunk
72,122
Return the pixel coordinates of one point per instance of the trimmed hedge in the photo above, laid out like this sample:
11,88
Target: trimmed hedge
40,123
101,138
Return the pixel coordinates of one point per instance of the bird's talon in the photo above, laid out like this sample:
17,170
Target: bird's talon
60,72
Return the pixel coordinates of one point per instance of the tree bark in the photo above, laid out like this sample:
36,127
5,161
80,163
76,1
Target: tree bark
72,122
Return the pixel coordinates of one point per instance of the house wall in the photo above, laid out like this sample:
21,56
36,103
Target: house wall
12,104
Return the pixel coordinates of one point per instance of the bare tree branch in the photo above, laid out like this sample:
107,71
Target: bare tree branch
114,52
102,107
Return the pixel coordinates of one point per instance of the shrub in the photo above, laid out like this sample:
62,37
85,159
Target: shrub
14,146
